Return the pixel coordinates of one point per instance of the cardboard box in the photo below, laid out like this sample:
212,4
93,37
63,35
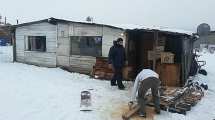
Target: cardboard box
167,57
169,74
160,48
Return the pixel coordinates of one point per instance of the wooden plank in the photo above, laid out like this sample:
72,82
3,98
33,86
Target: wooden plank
40,58
63,50
154,48
124,113
62,60
82,63
130,113
87,30
169,74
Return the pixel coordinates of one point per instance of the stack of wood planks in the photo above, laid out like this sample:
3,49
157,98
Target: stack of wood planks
179,100
173,99
101,69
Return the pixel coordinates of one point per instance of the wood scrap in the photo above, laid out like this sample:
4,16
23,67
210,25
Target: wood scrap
133,114
178,100
130,113
101,70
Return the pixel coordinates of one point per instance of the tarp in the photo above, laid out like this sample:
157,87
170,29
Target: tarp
3,41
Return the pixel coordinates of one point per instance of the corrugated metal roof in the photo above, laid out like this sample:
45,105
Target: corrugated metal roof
117,26
54,21
154,28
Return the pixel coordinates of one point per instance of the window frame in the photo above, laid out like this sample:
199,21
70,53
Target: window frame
27,43
79,42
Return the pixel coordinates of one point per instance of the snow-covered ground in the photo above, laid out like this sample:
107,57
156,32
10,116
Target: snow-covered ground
35,93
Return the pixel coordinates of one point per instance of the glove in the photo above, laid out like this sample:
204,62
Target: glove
130,104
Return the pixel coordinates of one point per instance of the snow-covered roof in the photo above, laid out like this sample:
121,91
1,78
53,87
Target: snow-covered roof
165,29
117,26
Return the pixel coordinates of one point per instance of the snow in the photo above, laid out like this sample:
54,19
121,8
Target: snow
147,27
37,93
6,54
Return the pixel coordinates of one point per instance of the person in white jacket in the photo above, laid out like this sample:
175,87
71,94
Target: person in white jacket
145,80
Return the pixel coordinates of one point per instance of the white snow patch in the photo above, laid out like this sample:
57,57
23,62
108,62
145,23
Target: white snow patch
36,93
6,54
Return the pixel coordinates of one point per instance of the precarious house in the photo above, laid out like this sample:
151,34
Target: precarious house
56,42
83,47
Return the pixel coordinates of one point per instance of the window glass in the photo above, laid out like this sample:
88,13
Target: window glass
37,43
86,45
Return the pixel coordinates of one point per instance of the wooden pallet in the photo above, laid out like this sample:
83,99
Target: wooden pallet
179,103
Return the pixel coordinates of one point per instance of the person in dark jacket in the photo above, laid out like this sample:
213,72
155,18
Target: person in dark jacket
116,58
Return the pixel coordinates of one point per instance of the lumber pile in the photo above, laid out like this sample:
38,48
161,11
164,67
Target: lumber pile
101,69
173,99
179,100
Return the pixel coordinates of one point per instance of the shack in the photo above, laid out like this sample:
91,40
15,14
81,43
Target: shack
61,43
168,52
83,47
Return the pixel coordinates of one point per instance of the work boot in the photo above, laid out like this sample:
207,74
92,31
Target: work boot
121,87
113,84
141,114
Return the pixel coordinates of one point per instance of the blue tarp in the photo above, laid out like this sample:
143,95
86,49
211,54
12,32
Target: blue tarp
3,41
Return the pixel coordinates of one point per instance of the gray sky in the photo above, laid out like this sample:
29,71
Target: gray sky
181,14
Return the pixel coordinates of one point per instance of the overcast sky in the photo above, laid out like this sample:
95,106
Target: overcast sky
181,14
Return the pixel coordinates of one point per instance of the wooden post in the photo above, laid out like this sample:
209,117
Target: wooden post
154,48
126,35
14,45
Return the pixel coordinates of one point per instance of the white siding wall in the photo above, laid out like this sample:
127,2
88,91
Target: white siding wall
58,44
86,30
75,29
76,62
63,45
47,58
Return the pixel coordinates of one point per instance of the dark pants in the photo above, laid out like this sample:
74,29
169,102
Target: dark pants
145,85
117,77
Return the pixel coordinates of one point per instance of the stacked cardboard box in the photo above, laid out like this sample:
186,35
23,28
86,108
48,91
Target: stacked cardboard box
167,57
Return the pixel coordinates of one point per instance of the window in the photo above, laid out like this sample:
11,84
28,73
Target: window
36,43
86,45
